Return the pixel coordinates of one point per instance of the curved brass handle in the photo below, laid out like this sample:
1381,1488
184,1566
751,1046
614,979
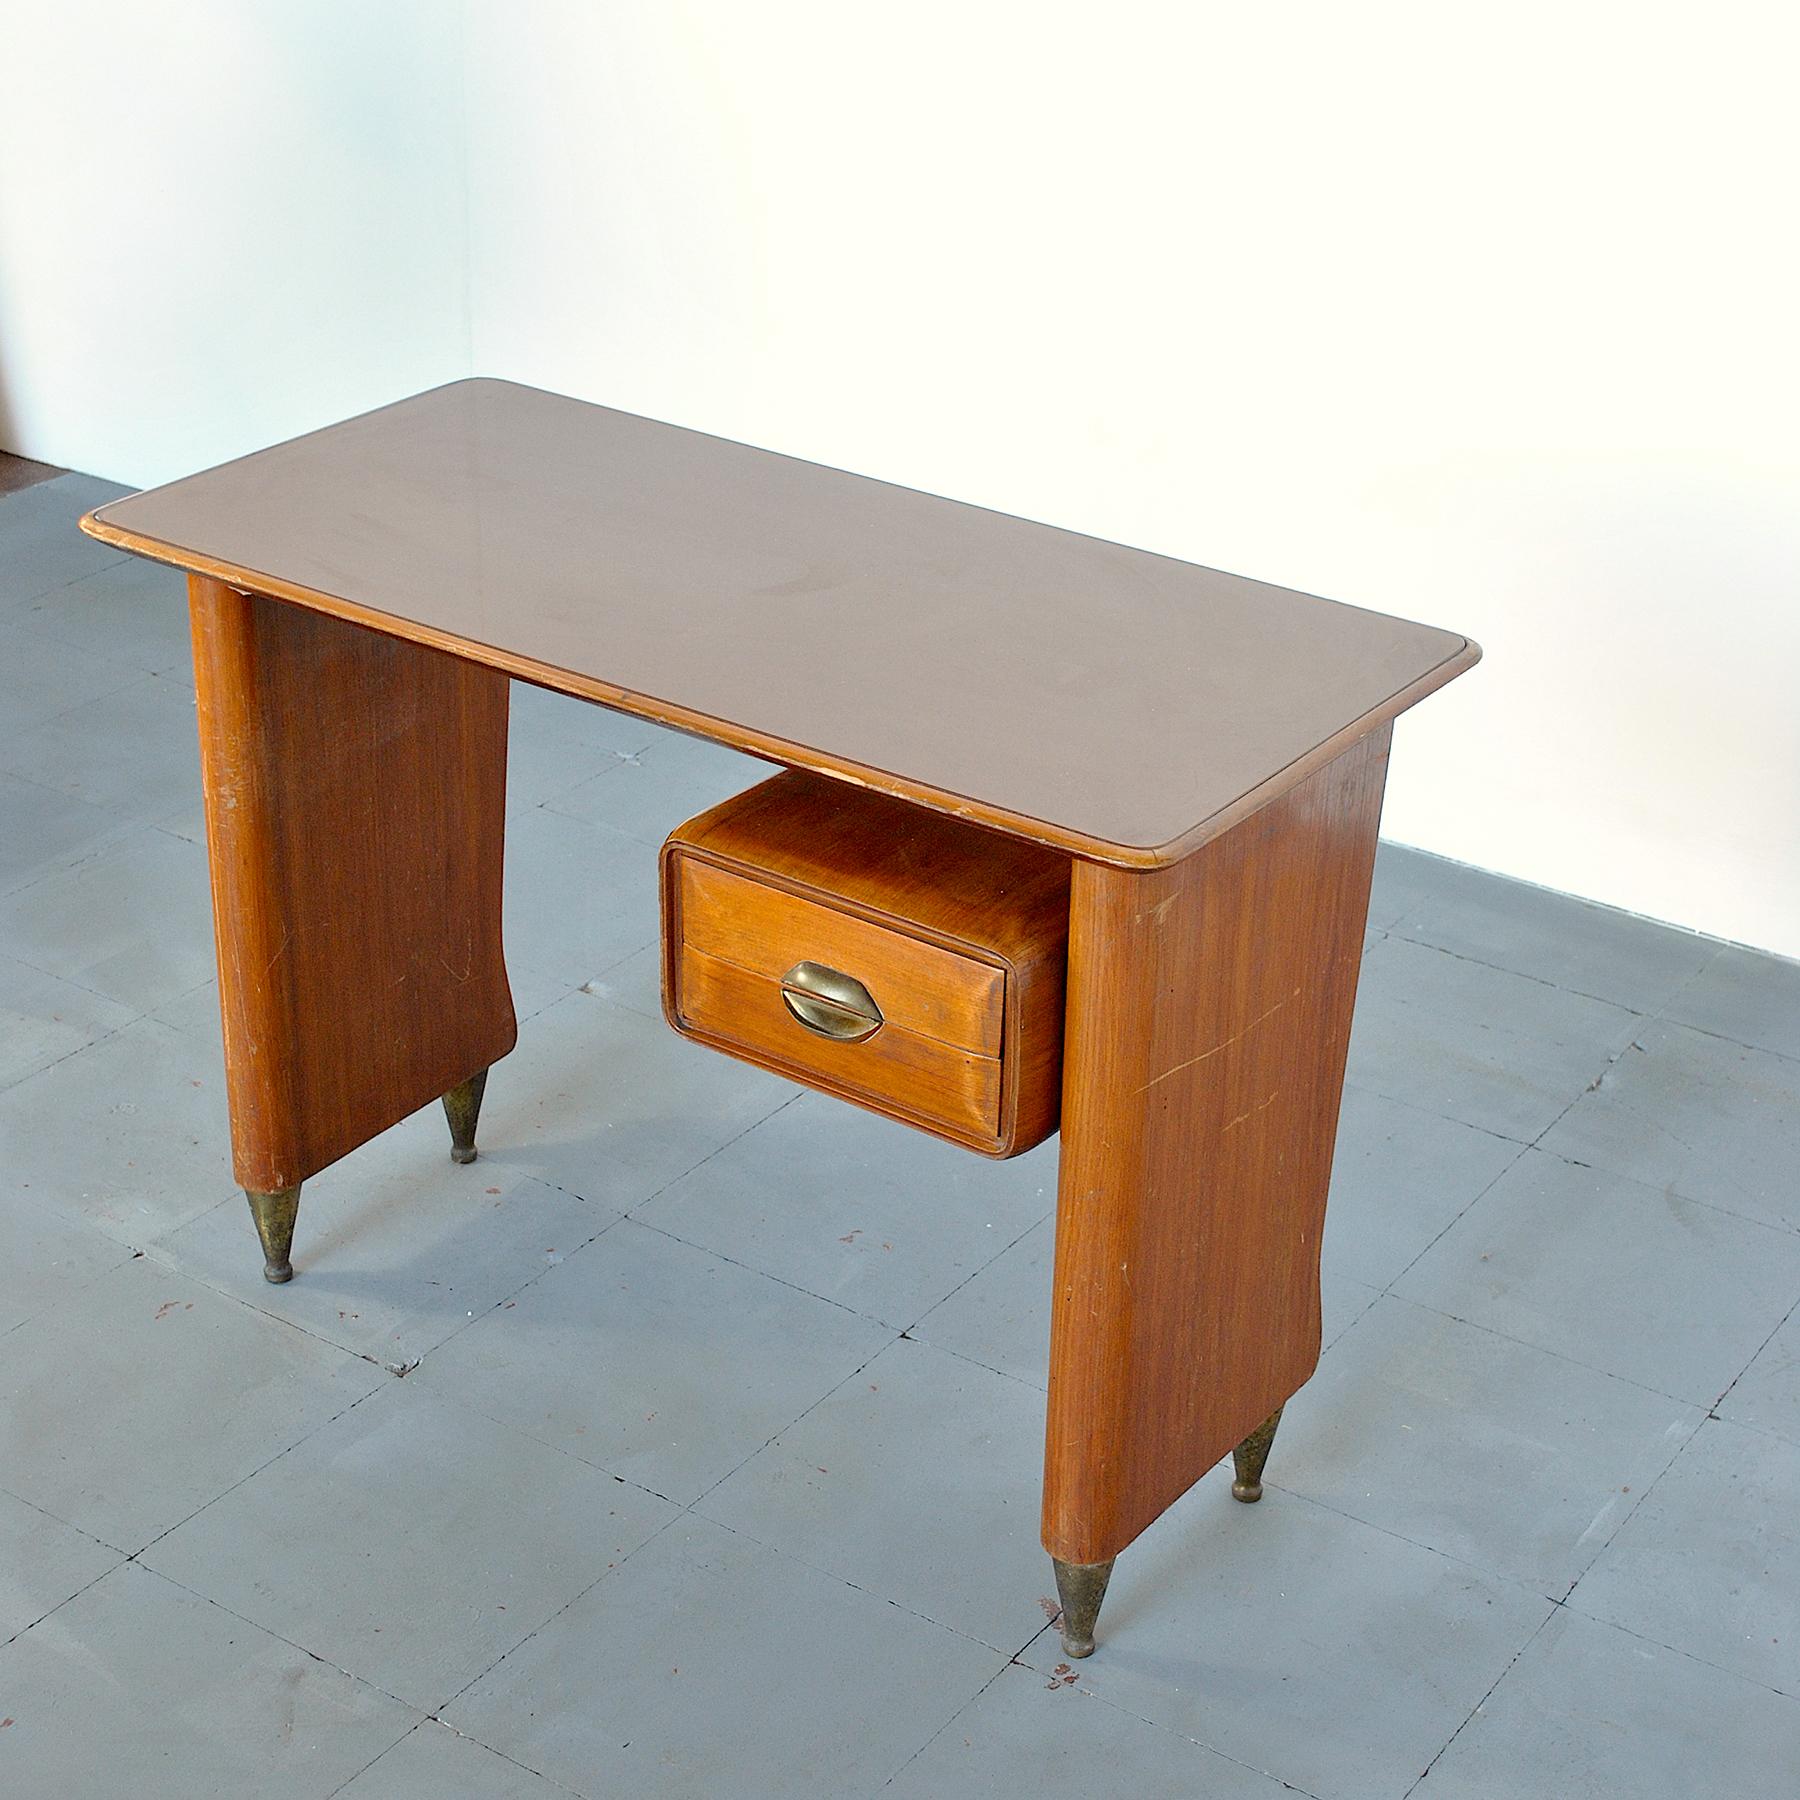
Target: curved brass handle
830,1003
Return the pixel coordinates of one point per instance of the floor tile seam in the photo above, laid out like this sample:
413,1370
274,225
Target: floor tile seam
1560,987
1506,1578
1498,1574
513,1294
1637,1502
33,1624
1048,1215
56,1518
548,734
1661,1014
134,677
1655,1123
617,833
536,1013
1096,1697
426,1712
125,836
137,1246
617,963
1562,1356
56,1062
61,587
445,1725
868,1593
157,1251
443,1707
1475,1710
162,830
548,803
127,1253
1725,1037
1352,1085
1199,1743
269,1462
997,1675
461,1403
555,1786
63,636
1745,1370
1130,1712
417,1725
43,1512
455,1403
417,1713
119,827
1650,1487
783,1281
911,1336
1512,1163
211,981
1768,1433
775,1436
1634,1042
1667,1189
908,1332
1706,1662
1574,1162
1593,1086
719,1150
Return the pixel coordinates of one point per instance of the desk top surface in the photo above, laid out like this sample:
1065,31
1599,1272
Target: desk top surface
1113,702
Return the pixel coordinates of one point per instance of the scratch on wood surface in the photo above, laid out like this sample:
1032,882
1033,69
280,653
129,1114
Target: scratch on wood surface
1242,1032
1251,1114
287,937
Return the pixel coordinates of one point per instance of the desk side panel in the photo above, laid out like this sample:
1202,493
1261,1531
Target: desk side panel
355,789
1209,1014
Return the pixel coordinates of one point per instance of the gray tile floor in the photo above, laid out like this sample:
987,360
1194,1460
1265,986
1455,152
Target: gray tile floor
687,1444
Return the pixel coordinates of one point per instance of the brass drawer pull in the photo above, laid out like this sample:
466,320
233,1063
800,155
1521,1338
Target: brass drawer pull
829,1003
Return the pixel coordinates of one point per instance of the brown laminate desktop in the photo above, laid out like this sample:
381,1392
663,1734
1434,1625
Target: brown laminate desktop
1211,751
1111,702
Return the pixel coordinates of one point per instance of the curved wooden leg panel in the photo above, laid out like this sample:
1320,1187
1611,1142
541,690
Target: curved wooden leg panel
1208,1020
355,807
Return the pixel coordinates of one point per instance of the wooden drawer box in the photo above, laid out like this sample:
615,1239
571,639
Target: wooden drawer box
907,961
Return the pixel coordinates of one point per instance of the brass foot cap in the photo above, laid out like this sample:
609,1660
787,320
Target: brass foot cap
1077,1646
1247,1491
462,1153
278,1271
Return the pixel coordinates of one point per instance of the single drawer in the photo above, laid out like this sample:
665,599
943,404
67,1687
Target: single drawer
897,958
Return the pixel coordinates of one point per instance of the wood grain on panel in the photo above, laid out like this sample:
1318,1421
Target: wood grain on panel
1208,1021
355,792
921,1079
920,987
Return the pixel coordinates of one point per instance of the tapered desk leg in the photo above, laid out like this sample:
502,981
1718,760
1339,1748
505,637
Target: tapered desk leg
355,808
1208,1020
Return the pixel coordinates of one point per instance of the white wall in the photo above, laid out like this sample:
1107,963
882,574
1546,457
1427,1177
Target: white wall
222,223
1483,316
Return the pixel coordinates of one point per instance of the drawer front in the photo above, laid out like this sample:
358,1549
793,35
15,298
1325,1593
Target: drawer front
923,990
894,1070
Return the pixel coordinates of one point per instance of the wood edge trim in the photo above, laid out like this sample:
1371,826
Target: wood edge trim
780,750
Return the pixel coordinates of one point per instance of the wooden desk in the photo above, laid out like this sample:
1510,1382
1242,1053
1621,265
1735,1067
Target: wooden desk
1211,750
